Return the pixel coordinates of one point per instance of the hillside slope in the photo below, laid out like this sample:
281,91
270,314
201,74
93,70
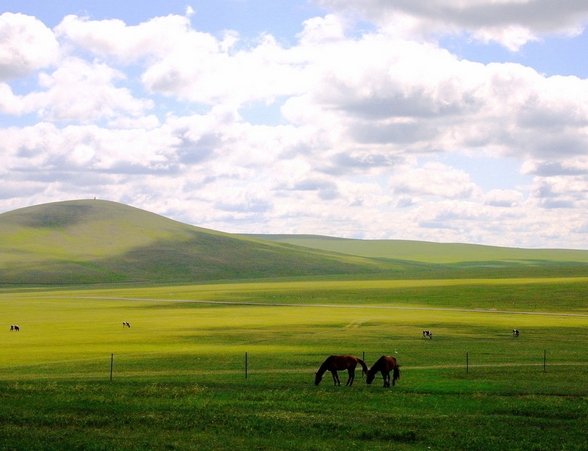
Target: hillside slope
96,241
436,253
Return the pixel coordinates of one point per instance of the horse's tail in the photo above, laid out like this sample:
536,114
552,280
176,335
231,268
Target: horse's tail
363,365
396,372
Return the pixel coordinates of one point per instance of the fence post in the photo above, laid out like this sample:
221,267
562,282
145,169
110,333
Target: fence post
111,366
363,358
246,364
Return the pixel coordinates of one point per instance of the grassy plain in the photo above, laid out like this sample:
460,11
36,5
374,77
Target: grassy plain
180,380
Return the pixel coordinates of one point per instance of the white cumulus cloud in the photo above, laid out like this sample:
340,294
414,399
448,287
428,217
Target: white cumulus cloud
344,131
26,45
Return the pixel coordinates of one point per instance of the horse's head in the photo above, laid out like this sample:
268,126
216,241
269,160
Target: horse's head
317,378
370,377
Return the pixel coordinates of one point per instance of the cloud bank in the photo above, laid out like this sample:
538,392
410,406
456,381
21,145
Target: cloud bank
354,131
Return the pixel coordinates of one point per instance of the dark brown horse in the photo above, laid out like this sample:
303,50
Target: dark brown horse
384,365
336,363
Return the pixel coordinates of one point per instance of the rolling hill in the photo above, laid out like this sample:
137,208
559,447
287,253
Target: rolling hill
428,252
96,241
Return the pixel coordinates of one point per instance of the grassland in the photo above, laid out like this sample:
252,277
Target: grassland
179,379
227,332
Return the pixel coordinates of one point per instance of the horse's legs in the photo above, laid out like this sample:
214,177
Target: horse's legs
351,377
386,377
336,380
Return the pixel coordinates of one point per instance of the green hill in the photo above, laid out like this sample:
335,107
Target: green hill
95,241
435,253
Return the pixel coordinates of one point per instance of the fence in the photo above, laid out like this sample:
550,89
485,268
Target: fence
470,363
248,365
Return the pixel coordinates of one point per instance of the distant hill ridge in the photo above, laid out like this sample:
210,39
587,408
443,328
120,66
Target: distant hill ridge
97,241
427,252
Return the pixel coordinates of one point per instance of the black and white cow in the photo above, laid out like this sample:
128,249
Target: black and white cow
515,332
427,334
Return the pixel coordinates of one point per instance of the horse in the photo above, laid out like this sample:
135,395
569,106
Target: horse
336,363
515,332
427,334
384,365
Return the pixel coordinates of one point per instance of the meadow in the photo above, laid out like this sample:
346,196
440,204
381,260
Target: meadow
220,366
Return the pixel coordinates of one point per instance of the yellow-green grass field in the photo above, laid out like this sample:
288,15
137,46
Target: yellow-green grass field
180,379
290,326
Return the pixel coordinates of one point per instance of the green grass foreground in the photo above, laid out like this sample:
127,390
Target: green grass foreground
272,412
179,379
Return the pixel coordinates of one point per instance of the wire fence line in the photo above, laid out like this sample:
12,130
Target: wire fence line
250,365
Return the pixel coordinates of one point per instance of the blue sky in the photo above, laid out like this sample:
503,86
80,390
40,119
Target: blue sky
421,119
278,17
555,55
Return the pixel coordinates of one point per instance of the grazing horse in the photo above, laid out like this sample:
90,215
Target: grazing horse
126,324
427,334
515,332
384,365
336,363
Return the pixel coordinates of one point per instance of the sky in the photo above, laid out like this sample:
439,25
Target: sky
435,120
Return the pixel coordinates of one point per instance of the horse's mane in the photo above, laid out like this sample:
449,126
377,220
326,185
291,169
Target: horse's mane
325,366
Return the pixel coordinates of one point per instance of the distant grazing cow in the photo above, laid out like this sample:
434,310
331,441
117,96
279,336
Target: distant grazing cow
515,332
126,324
427,334
14,327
